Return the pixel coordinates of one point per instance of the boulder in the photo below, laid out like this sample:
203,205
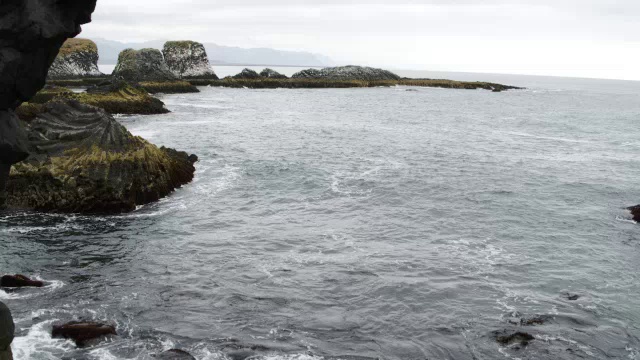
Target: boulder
77,59
347,73
272,74
635,211
175,354
19,281
7,328
247,74
143,65
188,60
83,332
31,34
84,161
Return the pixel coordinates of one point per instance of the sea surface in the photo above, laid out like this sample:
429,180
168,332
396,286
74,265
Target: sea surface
394,223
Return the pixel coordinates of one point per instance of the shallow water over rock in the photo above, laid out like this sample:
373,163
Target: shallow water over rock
359,224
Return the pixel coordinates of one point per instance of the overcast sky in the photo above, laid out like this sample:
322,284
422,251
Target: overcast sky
587,38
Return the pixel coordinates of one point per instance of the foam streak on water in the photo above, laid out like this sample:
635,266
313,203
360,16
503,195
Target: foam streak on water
332,224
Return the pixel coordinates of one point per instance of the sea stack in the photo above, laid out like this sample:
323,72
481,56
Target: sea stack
143,65
78,58
347,73
188,60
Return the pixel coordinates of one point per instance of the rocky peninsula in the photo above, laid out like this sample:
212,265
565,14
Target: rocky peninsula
347,73
188,60
77,59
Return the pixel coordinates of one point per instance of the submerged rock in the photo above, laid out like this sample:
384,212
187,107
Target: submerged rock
78,58
347,73
84,161
82,333
247,74
188,60
517,338
19,281
272,74
143,65
175,354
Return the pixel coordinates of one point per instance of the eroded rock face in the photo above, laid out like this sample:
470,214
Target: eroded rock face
272,74
143,65
31,33
78,58
188,60
347,73
84,161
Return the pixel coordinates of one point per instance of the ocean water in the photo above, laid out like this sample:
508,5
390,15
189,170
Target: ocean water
393,223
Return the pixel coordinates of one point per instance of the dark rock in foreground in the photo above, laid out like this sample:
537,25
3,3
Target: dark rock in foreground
7,329
347,73
78,58
19,281
84,161
143,65
272,74
83,332
247,74
635,212
188,60
175,354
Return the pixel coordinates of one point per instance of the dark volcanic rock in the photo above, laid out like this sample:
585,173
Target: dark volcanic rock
7,328
78,58
31,33
247,74
83,332
635,211
272,74
347,73
520,338
143,65
188,60
18,281
85,161
175,354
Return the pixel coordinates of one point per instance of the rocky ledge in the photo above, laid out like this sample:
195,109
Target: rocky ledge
115,96
347,73
78,58
84,161
188,60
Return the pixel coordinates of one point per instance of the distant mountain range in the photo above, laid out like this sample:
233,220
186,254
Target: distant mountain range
221,55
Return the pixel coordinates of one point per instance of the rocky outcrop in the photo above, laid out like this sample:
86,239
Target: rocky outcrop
78,58
19,281
635,212
347,73
7,329
143,65
84,161
188,60
272,74
83,333
247,74
31,33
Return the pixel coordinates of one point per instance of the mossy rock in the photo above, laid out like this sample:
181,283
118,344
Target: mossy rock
78,58
169,87
84,161
48,93
143,65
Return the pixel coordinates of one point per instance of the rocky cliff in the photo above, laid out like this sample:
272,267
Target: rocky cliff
78,58
143,65
84,161
188,60
31,34
347,73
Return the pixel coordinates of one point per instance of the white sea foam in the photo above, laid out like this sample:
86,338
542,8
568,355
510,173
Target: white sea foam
37,344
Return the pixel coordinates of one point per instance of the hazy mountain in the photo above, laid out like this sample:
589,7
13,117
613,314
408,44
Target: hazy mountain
221,55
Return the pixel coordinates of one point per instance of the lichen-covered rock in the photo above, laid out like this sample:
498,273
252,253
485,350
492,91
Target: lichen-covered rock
143,65
78,58
347,73
247,74
84,161
188,60
272,74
